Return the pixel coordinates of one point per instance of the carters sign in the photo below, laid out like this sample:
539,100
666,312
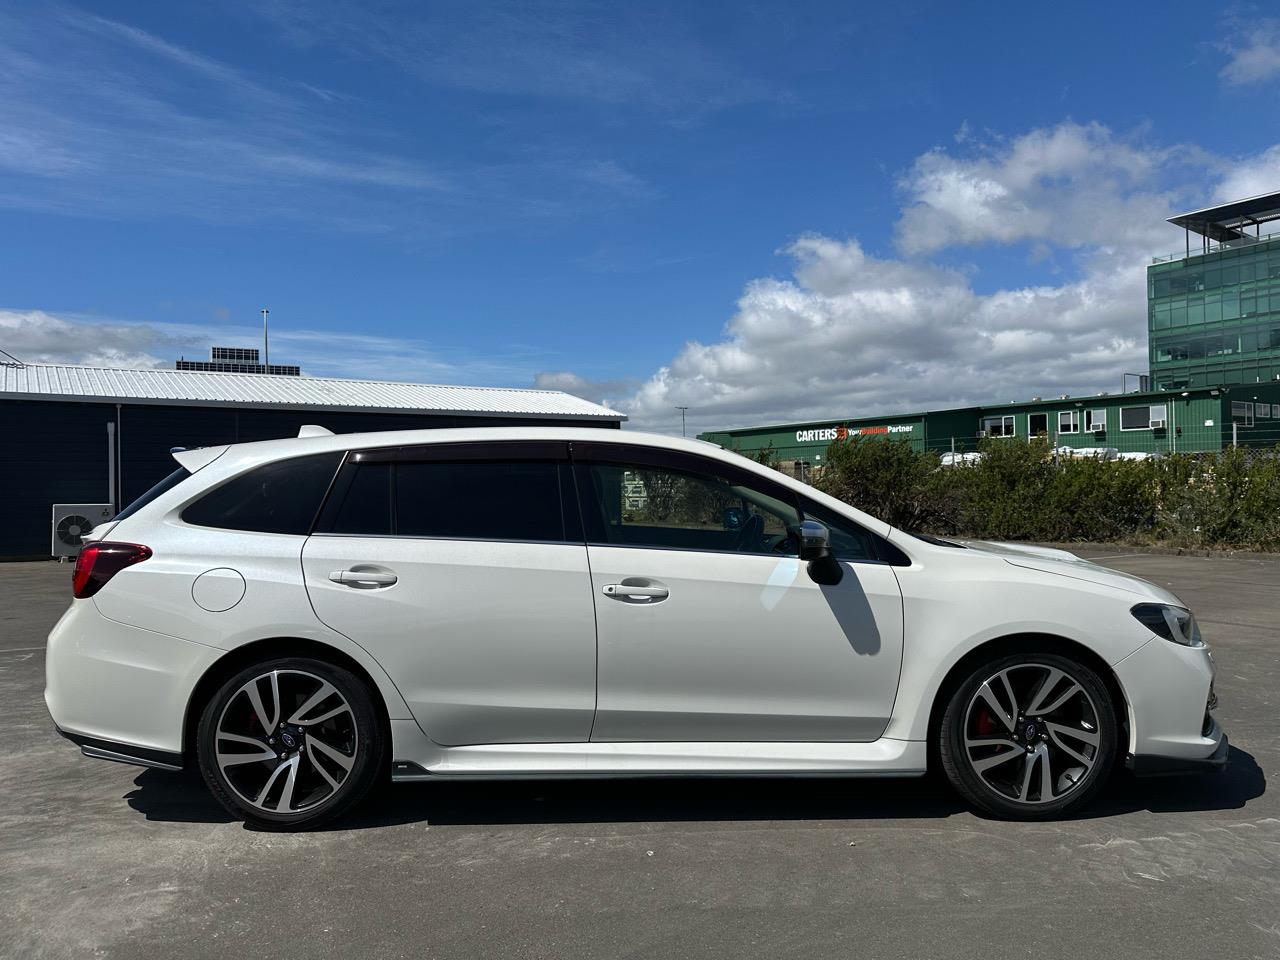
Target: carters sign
827,434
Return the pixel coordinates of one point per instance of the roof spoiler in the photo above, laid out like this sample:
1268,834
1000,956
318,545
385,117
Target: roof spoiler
198,457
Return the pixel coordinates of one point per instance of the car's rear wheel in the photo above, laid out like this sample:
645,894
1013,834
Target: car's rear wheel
290,743
1029,737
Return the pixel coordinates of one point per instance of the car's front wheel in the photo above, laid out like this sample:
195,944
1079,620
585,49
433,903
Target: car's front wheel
1029,737
290,743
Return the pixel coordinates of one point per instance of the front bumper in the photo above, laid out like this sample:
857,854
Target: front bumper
1169,689
1153,766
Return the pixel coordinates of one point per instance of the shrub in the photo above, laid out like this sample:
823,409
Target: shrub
1020,491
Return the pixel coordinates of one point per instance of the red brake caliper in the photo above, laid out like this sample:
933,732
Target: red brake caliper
985,723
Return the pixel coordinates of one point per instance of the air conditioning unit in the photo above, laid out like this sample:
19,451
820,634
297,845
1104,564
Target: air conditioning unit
71,521
1157,424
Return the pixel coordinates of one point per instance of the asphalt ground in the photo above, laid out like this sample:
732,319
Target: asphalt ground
103,860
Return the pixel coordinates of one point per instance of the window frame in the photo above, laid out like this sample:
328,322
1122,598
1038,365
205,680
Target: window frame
1002,417
1248,413
1148,407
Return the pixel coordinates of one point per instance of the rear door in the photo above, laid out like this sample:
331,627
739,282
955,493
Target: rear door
710,628
462,569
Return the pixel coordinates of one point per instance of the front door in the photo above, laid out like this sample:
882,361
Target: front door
459,568
709,626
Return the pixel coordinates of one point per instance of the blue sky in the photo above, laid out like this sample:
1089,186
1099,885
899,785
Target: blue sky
763,211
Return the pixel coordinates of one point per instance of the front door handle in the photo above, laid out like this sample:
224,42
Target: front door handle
650,592
363,579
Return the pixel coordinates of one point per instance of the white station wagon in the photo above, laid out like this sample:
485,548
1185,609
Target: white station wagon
302,618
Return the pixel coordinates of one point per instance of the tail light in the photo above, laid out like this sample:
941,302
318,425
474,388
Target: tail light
99,562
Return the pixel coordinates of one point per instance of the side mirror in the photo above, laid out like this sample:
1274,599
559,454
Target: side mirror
813,542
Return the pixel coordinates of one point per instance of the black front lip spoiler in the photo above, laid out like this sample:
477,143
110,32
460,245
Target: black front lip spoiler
123,752
1149,766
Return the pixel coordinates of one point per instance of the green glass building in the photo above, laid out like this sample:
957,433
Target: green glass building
1213,309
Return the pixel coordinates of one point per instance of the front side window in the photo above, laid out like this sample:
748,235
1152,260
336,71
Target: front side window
280,497
681,506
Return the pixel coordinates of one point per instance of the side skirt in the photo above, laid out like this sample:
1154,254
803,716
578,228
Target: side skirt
886,758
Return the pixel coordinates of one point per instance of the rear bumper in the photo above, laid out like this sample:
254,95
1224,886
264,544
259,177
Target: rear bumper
123,752
1154,766
120,688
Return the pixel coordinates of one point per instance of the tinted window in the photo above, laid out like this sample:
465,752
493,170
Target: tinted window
165,485
361,501
280,497
637,504
479,500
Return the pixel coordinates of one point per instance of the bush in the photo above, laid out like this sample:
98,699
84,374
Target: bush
1020,491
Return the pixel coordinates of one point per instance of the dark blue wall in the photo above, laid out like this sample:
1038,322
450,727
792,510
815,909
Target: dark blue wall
56,451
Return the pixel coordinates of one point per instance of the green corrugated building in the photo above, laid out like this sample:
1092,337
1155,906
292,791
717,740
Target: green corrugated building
1214,334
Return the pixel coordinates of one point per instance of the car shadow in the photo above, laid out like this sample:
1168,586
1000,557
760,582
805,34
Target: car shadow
183,798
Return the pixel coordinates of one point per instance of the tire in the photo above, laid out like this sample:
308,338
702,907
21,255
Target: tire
1019,751
290,743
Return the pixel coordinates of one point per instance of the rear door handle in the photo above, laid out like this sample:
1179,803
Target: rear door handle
630,591
363,579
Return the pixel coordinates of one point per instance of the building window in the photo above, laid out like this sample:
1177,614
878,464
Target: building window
1153,417
1038,424
1095,421
998,426
1069,421
1262,411
1242,413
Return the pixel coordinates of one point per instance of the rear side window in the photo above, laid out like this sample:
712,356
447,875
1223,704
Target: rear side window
280,497
471,497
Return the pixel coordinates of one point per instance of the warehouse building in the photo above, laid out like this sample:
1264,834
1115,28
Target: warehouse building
97,438
1213,318
1146,423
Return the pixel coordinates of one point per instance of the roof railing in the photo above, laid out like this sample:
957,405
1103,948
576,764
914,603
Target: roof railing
1208,246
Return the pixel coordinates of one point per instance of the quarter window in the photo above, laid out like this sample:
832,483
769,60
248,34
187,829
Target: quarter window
280,497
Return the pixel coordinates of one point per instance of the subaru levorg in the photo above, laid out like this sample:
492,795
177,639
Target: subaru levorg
303,618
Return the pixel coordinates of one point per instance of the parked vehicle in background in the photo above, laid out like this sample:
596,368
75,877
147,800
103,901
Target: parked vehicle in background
303,618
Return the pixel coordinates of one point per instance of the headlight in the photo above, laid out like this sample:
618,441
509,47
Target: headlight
1172,623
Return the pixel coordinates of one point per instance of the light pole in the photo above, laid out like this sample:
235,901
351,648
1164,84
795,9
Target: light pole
266,350
682,410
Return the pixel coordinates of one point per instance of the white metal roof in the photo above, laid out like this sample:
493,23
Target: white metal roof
39,381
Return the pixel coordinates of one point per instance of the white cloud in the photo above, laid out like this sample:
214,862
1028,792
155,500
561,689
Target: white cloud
853,334
1254,54
1072,185
37,336
1251,176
